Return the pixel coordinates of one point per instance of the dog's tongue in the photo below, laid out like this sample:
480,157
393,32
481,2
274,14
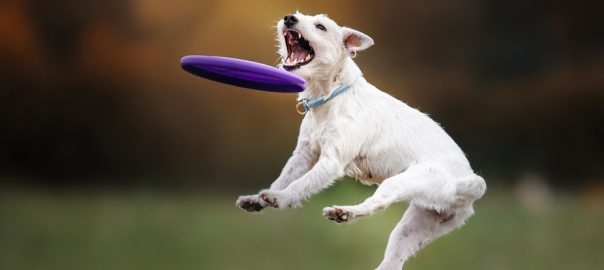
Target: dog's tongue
299,55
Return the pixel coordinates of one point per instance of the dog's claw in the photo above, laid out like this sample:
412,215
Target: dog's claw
270,200
336,214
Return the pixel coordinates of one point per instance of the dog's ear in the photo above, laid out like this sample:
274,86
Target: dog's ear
355,41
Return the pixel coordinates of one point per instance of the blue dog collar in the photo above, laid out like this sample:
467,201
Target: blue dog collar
306,104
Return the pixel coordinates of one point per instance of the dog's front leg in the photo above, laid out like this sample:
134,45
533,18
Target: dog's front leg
327,170
301,161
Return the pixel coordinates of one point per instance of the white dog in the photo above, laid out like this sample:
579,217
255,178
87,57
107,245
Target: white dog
351,128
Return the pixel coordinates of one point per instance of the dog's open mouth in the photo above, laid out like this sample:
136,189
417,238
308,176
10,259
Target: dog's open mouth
299,51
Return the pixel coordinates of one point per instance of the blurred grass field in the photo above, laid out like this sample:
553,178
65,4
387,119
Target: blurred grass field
204,230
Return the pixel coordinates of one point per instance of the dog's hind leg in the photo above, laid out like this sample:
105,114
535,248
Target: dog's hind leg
418,227
425,185
418,181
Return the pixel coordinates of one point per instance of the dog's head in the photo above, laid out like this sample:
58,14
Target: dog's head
313,46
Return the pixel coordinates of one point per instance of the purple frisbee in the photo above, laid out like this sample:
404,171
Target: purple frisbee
243,73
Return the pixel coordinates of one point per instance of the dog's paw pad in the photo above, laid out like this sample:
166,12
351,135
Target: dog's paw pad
337,214
250,204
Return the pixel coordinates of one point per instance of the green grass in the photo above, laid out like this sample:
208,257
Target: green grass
188,230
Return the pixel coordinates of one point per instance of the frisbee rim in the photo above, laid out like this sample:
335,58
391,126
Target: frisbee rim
229,70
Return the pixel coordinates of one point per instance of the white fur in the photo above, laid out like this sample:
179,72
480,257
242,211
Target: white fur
369,135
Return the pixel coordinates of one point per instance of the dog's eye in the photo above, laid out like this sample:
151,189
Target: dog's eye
321,27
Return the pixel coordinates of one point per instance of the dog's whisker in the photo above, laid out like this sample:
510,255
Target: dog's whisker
277,61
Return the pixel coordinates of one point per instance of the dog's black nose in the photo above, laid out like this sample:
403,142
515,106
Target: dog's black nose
290,20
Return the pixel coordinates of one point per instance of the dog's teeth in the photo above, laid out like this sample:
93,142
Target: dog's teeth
307,57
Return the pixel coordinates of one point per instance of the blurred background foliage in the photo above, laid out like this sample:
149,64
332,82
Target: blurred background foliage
112,157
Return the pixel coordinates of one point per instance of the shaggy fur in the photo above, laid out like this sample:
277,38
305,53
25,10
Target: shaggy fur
369,135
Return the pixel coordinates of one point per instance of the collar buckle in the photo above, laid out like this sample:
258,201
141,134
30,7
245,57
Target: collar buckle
305,105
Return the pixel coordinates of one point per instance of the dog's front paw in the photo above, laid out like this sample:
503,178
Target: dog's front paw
275,198
337,214
251,203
